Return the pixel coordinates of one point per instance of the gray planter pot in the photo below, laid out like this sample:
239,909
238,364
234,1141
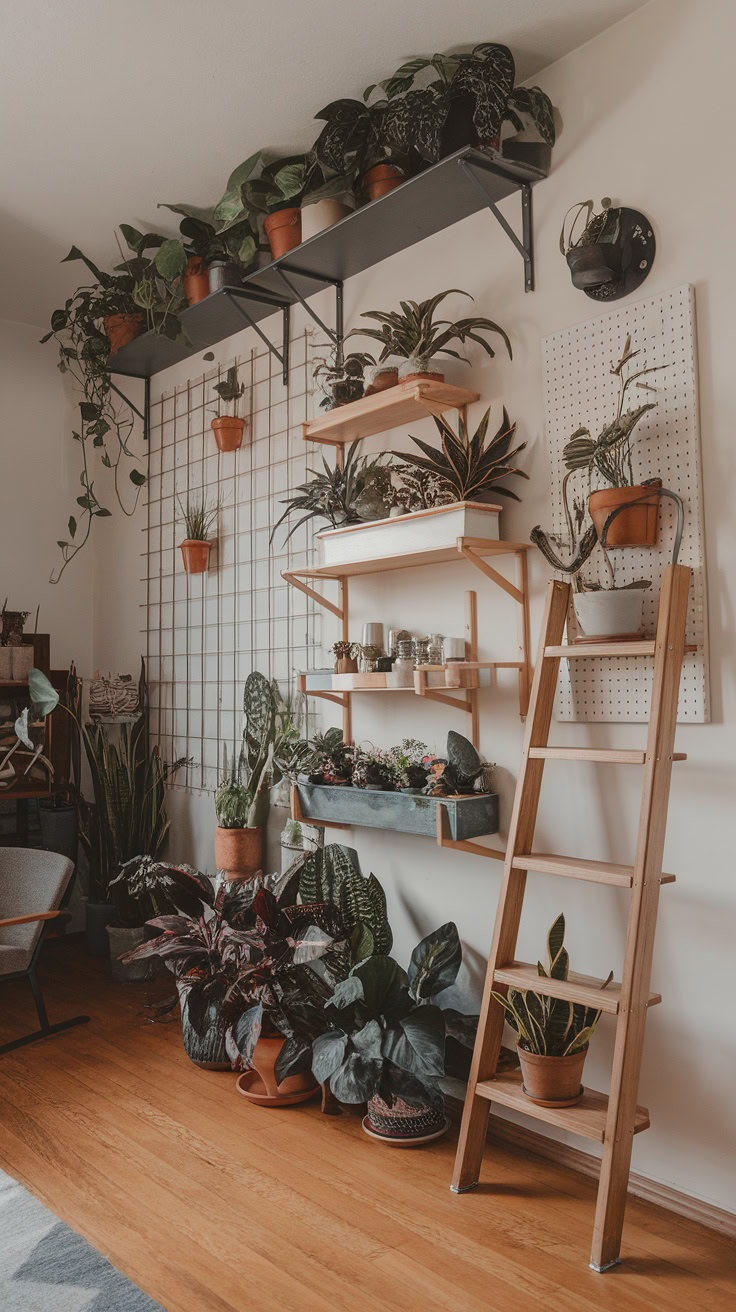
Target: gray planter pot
404,813
59,831
98,915
123,939
209,1050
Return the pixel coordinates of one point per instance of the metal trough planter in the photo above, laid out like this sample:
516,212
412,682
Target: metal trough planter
404,813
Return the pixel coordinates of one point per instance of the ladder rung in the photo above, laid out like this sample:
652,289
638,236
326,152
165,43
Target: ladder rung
598,872
643,648
613,755
587,1118
576,988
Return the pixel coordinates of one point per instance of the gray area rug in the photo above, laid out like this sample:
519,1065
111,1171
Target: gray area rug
46,1267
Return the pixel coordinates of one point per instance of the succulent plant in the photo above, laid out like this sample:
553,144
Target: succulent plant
469,469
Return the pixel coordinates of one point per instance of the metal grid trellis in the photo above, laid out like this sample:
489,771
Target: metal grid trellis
205,633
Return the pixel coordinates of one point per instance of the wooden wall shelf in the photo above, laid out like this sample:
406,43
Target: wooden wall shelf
385,410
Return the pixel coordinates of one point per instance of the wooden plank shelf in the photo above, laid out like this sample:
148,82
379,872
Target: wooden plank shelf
572,867
587,1118
410,559
576,988
603,755
640,647
385,410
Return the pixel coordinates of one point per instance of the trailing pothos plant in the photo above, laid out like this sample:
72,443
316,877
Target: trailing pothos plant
386,1036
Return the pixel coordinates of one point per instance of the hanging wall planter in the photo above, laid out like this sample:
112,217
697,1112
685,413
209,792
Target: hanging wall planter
613,254
228,431
196,555
123,328
403,813
637,526
196,280
284,231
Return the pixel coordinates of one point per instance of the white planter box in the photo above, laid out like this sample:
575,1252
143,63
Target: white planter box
421,530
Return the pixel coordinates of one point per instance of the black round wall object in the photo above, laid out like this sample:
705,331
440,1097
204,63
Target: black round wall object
631,255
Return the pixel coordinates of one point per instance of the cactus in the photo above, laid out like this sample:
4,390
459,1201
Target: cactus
548,1026
332,874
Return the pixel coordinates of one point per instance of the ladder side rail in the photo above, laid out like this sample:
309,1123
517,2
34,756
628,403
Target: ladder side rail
642,919
476,1111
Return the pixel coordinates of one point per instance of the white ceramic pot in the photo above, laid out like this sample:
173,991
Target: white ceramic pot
321,215
608,614
421,530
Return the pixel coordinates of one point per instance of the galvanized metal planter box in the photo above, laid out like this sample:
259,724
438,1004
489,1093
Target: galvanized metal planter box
404,813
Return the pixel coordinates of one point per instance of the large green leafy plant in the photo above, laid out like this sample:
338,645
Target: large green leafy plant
415,333
242,799
465,466
359,490
550,1027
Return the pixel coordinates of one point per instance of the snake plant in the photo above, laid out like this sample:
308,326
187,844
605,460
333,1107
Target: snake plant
550,1027
468,468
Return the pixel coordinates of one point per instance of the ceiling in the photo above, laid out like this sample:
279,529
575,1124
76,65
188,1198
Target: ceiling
106,109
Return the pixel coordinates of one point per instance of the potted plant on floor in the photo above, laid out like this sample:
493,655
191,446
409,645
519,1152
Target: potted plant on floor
228,428
357,491
385,1045
200,520
553,1034
417,338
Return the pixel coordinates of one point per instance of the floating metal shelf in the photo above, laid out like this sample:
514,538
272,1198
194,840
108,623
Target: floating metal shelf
462,184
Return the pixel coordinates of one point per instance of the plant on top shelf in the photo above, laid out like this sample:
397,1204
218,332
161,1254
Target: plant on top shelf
417,337
242,800
341,377
225,237
285,185
387,1039
228,427
359,491
553,1034
465,467
354,145
200,521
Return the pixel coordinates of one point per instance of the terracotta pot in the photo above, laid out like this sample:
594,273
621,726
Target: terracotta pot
284,231
636,527
228,431
403,1125
123,328
346,665
381,179
196,555
382,380
239,852
196,280
552,1081
259,1084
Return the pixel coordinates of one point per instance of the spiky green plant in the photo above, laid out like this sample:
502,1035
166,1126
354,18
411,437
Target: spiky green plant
200,517
332,874
416,333
550,1027
470,469
359,491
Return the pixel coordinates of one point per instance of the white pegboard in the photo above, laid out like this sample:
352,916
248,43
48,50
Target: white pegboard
580,390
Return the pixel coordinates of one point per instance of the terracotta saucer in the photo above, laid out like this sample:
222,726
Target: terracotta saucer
251,1086
549,1102
404,1143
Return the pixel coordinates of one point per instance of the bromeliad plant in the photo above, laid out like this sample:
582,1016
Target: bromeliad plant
359,491
550,1027
465,467
415,334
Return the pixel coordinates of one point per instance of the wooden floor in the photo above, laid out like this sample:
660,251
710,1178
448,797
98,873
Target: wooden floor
212,1205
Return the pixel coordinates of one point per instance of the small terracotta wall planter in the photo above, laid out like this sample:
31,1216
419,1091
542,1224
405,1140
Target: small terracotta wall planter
228,431
259,1084
123,328
636,527
552,1081
239,852
381,179
196,280
196,555
284,231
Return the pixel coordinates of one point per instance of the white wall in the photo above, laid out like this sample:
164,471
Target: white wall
648,118
38,484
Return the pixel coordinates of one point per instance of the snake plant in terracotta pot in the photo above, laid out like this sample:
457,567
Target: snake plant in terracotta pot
417,338
553,1033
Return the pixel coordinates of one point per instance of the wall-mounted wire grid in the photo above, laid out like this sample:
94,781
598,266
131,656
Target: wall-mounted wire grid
579,389
206,632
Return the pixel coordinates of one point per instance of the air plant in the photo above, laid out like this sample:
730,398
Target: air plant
359,491
468,468
415,333
200,517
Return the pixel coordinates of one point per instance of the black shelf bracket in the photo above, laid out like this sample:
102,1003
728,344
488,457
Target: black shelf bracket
128,401
338,336
524,246
236,294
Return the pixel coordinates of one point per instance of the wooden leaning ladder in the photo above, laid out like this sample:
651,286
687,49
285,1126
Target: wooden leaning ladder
614,1120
